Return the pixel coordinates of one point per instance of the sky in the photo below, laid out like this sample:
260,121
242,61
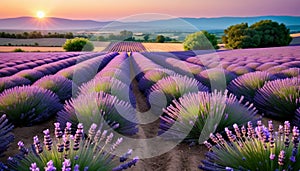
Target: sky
118,9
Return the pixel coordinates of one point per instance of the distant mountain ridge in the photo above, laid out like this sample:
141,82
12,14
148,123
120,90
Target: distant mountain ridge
174,24
51,23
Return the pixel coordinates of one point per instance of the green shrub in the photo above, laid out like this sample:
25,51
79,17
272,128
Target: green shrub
18,50
78,44
265,33
200,41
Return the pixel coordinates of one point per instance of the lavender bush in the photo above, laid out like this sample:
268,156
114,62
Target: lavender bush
101,108
258,148
215,76
279,98
60,85
150,77
195,115
247,85
30,74
28,105
176,86
5,134
5,83
72,152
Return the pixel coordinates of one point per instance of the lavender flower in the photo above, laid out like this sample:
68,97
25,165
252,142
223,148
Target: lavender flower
50,166
66,165
34,167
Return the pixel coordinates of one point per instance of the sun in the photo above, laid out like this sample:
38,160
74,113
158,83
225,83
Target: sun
40,14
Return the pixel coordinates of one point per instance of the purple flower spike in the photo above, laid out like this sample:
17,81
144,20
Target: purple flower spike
50,166
34,167
66,165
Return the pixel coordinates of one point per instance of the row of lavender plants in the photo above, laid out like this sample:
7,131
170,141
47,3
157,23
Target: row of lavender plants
29,61
113,102
28,76
125,47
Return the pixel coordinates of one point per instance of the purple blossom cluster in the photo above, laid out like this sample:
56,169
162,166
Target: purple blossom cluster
250,146
67,151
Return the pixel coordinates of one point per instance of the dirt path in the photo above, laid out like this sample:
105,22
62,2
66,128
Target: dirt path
181,158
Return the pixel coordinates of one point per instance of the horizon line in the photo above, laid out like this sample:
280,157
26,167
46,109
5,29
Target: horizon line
106,20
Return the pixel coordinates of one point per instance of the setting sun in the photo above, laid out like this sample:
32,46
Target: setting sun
40,14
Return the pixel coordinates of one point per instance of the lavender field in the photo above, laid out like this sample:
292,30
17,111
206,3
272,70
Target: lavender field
214,106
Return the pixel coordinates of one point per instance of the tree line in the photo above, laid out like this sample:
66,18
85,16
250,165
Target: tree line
265,33
36,35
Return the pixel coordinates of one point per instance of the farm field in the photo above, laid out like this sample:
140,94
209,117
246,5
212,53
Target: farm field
185,96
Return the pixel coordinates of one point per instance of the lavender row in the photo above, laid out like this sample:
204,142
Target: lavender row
125,47
13,59
29,76
112,100
12,67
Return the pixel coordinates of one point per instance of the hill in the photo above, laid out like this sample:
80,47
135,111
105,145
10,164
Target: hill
169,25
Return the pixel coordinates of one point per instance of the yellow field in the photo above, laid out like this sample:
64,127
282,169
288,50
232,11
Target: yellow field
31,49
163,47
295,35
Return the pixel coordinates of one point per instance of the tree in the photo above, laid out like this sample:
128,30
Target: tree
265,33
160,39
200,41
126,35
240,36
146,37
101,38
272,33
78,44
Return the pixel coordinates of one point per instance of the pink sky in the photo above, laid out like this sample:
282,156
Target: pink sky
115,9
